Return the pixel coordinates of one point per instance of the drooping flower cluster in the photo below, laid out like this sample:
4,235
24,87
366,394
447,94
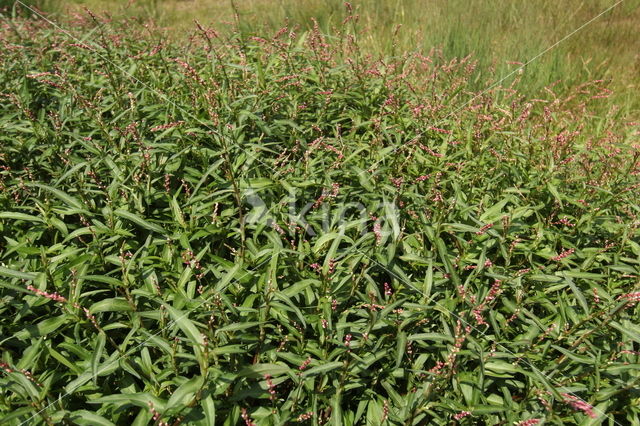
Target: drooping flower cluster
271,388
347,340
494,292
580,405
247,419
387,289
156,415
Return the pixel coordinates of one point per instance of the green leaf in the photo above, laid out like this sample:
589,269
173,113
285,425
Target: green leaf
97,356
579,296
117,304
237,326
84,417
322,369
181,319
495,212
209,409
554,191
177,212
401,346
224,282
43,328
573,356
444,256
139,221
141,399
20,216
257,371
66,198
436,337
185,392
6,272
501,367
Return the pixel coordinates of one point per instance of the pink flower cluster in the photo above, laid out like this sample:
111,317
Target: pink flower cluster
61,299
546,333
335,190
156,415
189,259
630,297
347,340
443,131
529,422
271,387
387,289
397,182
377,229
372,306
484,229
487,264
189,71
580,405
305,364
564,221
457,346
305,416
430,151
385,410
494,291
247,419
166,126
565,253
461,415
53,296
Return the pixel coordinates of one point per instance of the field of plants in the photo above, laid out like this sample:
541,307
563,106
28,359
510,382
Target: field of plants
285,227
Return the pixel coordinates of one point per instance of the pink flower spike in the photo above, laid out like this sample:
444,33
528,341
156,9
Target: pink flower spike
271,387
387,289
565,253
305,364
630,297
529,422
461,415
347,340
53,296
579,405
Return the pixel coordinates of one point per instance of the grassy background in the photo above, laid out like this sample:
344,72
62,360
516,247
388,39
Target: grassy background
495,32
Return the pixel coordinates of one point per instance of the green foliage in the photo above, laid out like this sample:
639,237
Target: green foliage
260,230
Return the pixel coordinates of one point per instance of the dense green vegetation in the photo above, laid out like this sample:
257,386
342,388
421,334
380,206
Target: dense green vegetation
229,230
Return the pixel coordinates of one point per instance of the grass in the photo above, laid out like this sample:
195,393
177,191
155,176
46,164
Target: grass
227,230
493,31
